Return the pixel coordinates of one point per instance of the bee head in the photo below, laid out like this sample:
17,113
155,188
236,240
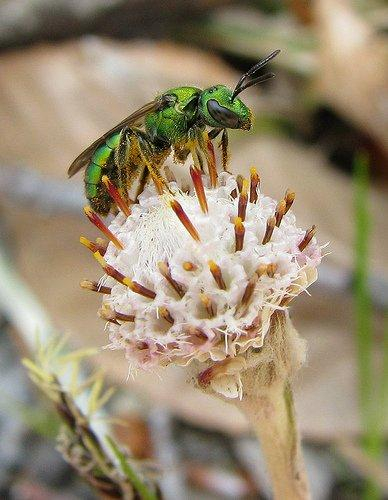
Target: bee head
221,108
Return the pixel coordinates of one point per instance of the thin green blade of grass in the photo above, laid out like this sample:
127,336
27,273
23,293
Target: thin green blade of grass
372,437
142,489
383,400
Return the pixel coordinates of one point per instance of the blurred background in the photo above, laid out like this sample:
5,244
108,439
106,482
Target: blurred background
69,71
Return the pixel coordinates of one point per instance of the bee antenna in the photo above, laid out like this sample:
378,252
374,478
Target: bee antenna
240,86
251,83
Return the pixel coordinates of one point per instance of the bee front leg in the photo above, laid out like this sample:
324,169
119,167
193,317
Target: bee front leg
224,144
194,147
214,132
207,148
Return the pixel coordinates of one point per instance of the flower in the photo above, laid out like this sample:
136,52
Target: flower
197,275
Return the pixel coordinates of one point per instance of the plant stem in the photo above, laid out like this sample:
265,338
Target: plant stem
268,404
272,417
373,440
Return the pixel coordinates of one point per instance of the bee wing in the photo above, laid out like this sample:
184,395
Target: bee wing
83,159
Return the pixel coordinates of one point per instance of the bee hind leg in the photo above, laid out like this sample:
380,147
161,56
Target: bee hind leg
128,160
142,182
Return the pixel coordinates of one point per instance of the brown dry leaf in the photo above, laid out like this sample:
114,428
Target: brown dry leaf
354,67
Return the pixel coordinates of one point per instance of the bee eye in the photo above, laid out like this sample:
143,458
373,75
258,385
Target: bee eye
222,115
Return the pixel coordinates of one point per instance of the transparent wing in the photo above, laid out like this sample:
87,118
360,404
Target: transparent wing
84,158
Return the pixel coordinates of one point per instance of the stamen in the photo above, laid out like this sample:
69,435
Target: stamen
189,266
109,270
310,233
166,273
255,183
95,287
197,335
199,189
239,232
289,198
239,181
116,196
271,270
268,269
185,220
103,244
249,289
217,274
208,304
97,221
124,280
165,314
280,211
130,318
139,289
93,246
243,200
247,296
271,223
109,314
261,270
205,377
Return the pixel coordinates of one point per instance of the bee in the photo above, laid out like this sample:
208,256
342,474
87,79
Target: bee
177,121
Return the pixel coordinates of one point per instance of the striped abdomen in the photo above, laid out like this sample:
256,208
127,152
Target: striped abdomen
101,161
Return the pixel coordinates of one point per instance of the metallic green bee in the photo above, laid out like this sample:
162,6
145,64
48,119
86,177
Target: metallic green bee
175,121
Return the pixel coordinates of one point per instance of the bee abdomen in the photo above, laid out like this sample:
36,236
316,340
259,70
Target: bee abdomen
102,159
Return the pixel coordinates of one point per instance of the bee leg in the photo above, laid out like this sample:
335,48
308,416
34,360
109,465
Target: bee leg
195,147
142,182
206,147
214,132
153,159
224,143
128,160
181,152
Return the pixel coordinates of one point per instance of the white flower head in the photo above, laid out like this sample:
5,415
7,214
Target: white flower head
197,275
